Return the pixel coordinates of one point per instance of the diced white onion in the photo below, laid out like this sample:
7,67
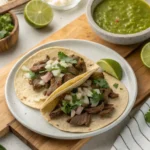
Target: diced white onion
55,63
61,75
79,95
79,110
42,82
64,64
85,100
27,75
68,97
48,66
56,73
87,83
73,113
49,62
81,91
97,91
87,92
25,68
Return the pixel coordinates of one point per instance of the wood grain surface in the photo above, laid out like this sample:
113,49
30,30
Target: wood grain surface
78,29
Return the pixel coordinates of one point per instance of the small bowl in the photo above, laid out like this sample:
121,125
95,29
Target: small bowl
10,40
122,39
65,7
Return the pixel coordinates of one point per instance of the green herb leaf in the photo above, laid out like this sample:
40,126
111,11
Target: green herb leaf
3,33
32,74
63,69
66,107
43,71
101,83
96,97
147,117
65,58
116,85
121,88
2,147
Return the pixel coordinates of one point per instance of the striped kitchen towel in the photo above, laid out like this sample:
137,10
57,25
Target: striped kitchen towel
136,135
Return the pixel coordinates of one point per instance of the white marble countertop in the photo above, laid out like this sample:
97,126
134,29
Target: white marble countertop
29,37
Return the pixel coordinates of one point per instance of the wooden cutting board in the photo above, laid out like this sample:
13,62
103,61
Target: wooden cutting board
78,29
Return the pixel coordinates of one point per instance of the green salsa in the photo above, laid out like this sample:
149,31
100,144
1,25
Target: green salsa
122,16
6,25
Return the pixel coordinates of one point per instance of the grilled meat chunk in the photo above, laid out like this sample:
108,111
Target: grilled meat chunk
73,70
56,113
47,77
113,95
37,68
95,110
106,112
36,84
67,77
42,61
81,66
55,83
97,75
79,120
106,95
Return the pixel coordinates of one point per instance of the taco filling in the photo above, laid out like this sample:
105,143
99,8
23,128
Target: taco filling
51,73
93,97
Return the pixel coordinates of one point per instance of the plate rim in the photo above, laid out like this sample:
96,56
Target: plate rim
86,134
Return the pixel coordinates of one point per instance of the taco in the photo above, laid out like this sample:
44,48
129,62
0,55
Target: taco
92,103
47,72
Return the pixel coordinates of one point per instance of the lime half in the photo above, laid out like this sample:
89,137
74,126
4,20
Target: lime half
37,13
145,55
112,67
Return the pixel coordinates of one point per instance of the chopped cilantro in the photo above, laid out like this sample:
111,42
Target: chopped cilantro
116,85
2,147
121,88
147,116
32,74
65,58
96,97
63,69
101,82
3,33
43,71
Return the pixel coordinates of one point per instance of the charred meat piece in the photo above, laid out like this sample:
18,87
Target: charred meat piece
95,110
97,75
106,112
108,106
37,68
47,77
67,77
42,61
81,66
55,83
73,70
56,113
36,84
106,95
80,120
113,95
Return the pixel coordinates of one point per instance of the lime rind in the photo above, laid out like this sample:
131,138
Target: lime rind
145,55
112,67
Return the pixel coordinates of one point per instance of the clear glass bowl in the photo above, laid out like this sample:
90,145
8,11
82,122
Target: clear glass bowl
64,7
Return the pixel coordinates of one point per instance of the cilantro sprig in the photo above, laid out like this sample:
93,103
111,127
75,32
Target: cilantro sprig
115,85
96,97
65,58
101,83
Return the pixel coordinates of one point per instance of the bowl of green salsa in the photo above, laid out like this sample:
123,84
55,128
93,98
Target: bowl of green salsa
122,22
9,29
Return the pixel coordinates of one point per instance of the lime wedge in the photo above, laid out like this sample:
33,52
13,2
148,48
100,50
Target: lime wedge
38,14
145,55
112,67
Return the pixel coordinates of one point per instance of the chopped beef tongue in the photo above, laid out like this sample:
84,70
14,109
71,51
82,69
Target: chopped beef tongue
55,83
113,95
97,75
73,70
81,66
42,61
47,77
107,106
106,95
79,120
106,112
55,113
95,110
67,77
38,67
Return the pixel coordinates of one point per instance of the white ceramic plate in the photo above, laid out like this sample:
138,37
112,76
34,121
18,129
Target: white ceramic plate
33,120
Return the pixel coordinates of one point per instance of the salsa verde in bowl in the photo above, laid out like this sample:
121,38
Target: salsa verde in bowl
120,21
